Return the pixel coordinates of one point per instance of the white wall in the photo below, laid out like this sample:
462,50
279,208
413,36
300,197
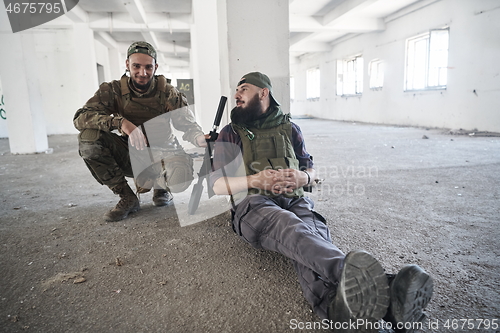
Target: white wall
473,65
103,59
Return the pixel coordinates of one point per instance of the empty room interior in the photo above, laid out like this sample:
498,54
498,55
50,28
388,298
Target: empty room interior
398,102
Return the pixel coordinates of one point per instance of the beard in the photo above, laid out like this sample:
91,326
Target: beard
142,87
251,112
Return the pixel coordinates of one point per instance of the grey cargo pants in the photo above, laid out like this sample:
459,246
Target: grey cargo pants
290,226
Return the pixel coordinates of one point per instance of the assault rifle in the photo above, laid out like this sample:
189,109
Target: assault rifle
207,165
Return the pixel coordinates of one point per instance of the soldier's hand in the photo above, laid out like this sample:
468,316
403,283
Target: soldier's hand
288,180
201,140
135,135
264,180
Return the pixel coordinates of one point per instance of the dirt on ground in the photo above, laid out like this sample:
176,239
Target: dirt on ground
406,195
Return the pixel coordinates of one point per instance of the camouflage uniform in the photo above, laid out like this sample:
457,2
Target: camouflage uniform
105,153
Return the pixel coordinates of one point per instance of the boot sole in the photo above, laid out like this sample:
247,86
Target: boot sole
363,292
162,203
411,291
163,200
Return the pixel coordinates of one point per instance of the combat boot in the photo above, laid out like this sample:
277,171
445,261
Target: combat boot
361,297
128,203
162,197
411,290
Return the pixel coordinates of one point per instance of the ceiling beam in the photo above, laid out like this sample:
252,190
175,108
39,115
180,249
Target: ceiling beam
301,23
310,46
342,39
309,24
123,22
299,36
138,14
345,9
77,15
136,11
150,37
409,9
107,40
359,24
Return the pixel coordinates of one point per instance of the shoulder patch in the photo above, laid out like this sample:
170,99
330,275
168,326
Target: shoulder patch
106,94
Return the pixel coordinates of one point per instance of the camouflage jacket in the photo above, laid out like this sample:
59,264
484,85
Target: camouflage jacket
115,101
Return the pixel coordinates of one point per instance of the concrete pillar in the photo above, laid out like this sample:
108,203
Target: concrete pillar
205,61
258,40
21,89
232,38
85,70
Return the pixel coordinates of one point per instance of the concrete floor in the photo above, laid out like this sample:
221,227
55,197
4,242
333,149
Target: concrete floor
434,202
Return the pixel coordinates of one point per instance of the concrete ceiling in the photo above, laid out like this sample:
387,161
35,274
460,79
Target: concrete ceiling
315,25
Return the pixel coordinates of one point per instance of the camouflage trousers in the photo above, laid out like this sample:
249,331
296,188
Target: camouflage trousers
108,158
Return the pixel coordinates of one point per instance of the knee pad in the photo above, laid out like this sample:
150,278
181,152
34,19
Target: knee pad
177,172
174,173
89,146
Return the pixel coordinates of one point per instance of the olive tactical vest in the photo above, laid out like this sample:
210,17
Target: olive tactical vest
139,110
268,149
155,105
